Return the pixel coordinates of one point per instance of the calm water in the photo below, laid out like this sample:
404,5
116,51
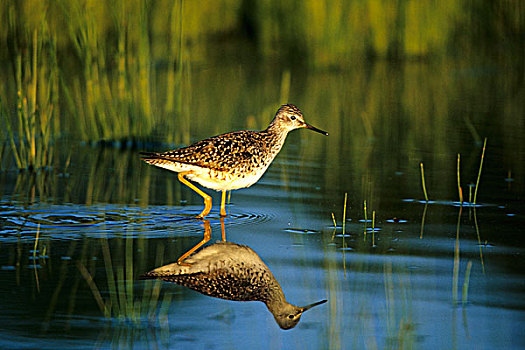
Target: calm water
433,275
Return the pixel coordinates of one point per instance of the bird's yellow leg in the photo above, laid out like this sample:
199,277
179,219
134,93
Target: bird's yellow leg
205,239
223,203
207,199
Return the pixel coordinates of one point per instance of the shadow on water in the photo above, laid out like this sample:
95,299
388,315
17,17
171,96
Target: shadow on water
233,272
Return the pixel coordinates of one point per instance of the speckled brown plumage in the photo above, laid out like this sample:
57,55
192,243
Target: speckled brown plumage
238,153
233,272
224,270
234,160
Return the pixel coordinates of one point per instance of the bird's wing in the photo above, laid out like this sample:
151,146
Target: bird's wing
218,152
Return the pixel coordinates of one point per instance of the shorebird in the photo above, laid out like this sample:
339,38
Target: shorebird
230,161
233,272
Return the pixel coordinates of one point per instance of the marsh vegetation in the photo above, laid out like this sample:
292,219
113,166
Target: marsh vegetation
86,86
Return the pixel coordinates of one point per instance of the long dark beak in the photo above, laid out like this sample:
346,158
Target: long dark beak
307,307
313,128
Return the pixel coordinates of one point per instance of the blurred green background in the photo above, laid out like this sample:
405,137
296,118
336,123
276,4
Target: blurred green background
411,73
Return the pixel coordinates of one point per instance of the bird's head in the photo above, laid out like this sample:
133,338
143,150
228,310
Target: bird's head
289,118
289,315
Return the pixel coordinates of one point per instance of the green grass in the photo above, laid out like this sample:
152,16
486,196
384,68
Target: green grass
31,132
112,102
121,70
365,220
423,181
100,62
460,191
344,233
100,58
479,171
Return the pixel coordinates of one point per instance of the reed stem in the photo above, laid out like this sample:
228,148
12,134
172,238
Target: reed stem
479,172
344,244
344,219
460,192
366,219
423,181
335,226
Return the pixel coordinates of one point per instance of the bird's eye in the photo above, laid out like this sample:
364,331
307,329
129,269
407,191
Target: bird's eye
292,117
291,317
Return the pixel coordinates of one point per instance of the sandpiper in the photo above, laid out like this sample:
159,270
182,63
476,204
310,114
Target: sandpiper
230,161
233,272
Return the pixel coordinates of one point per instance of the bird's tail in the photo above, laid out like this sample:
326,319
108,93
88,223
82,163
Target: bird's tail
149,276
148,155
156,159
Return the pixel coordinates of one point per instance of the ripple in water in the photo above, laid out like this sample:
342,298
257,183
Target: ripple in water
303,231
71,221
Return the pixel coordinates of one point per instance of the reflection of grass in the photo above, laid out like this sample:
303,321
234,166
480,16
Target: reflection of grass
479,240
122,303
455,271
398,313
127,308
384,310
99,175
423,217
466,282
56,282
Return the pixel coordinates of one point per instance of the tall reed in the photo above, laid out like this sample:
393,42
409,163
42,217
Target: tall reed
479,172
460,191
423,181
31,129
112,103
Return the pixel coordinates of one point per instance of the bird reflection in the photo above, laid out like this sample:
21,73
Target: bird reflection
231,271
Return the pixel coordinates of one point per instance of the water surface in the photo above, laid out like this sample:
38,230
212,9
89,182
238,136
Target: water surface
442,274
